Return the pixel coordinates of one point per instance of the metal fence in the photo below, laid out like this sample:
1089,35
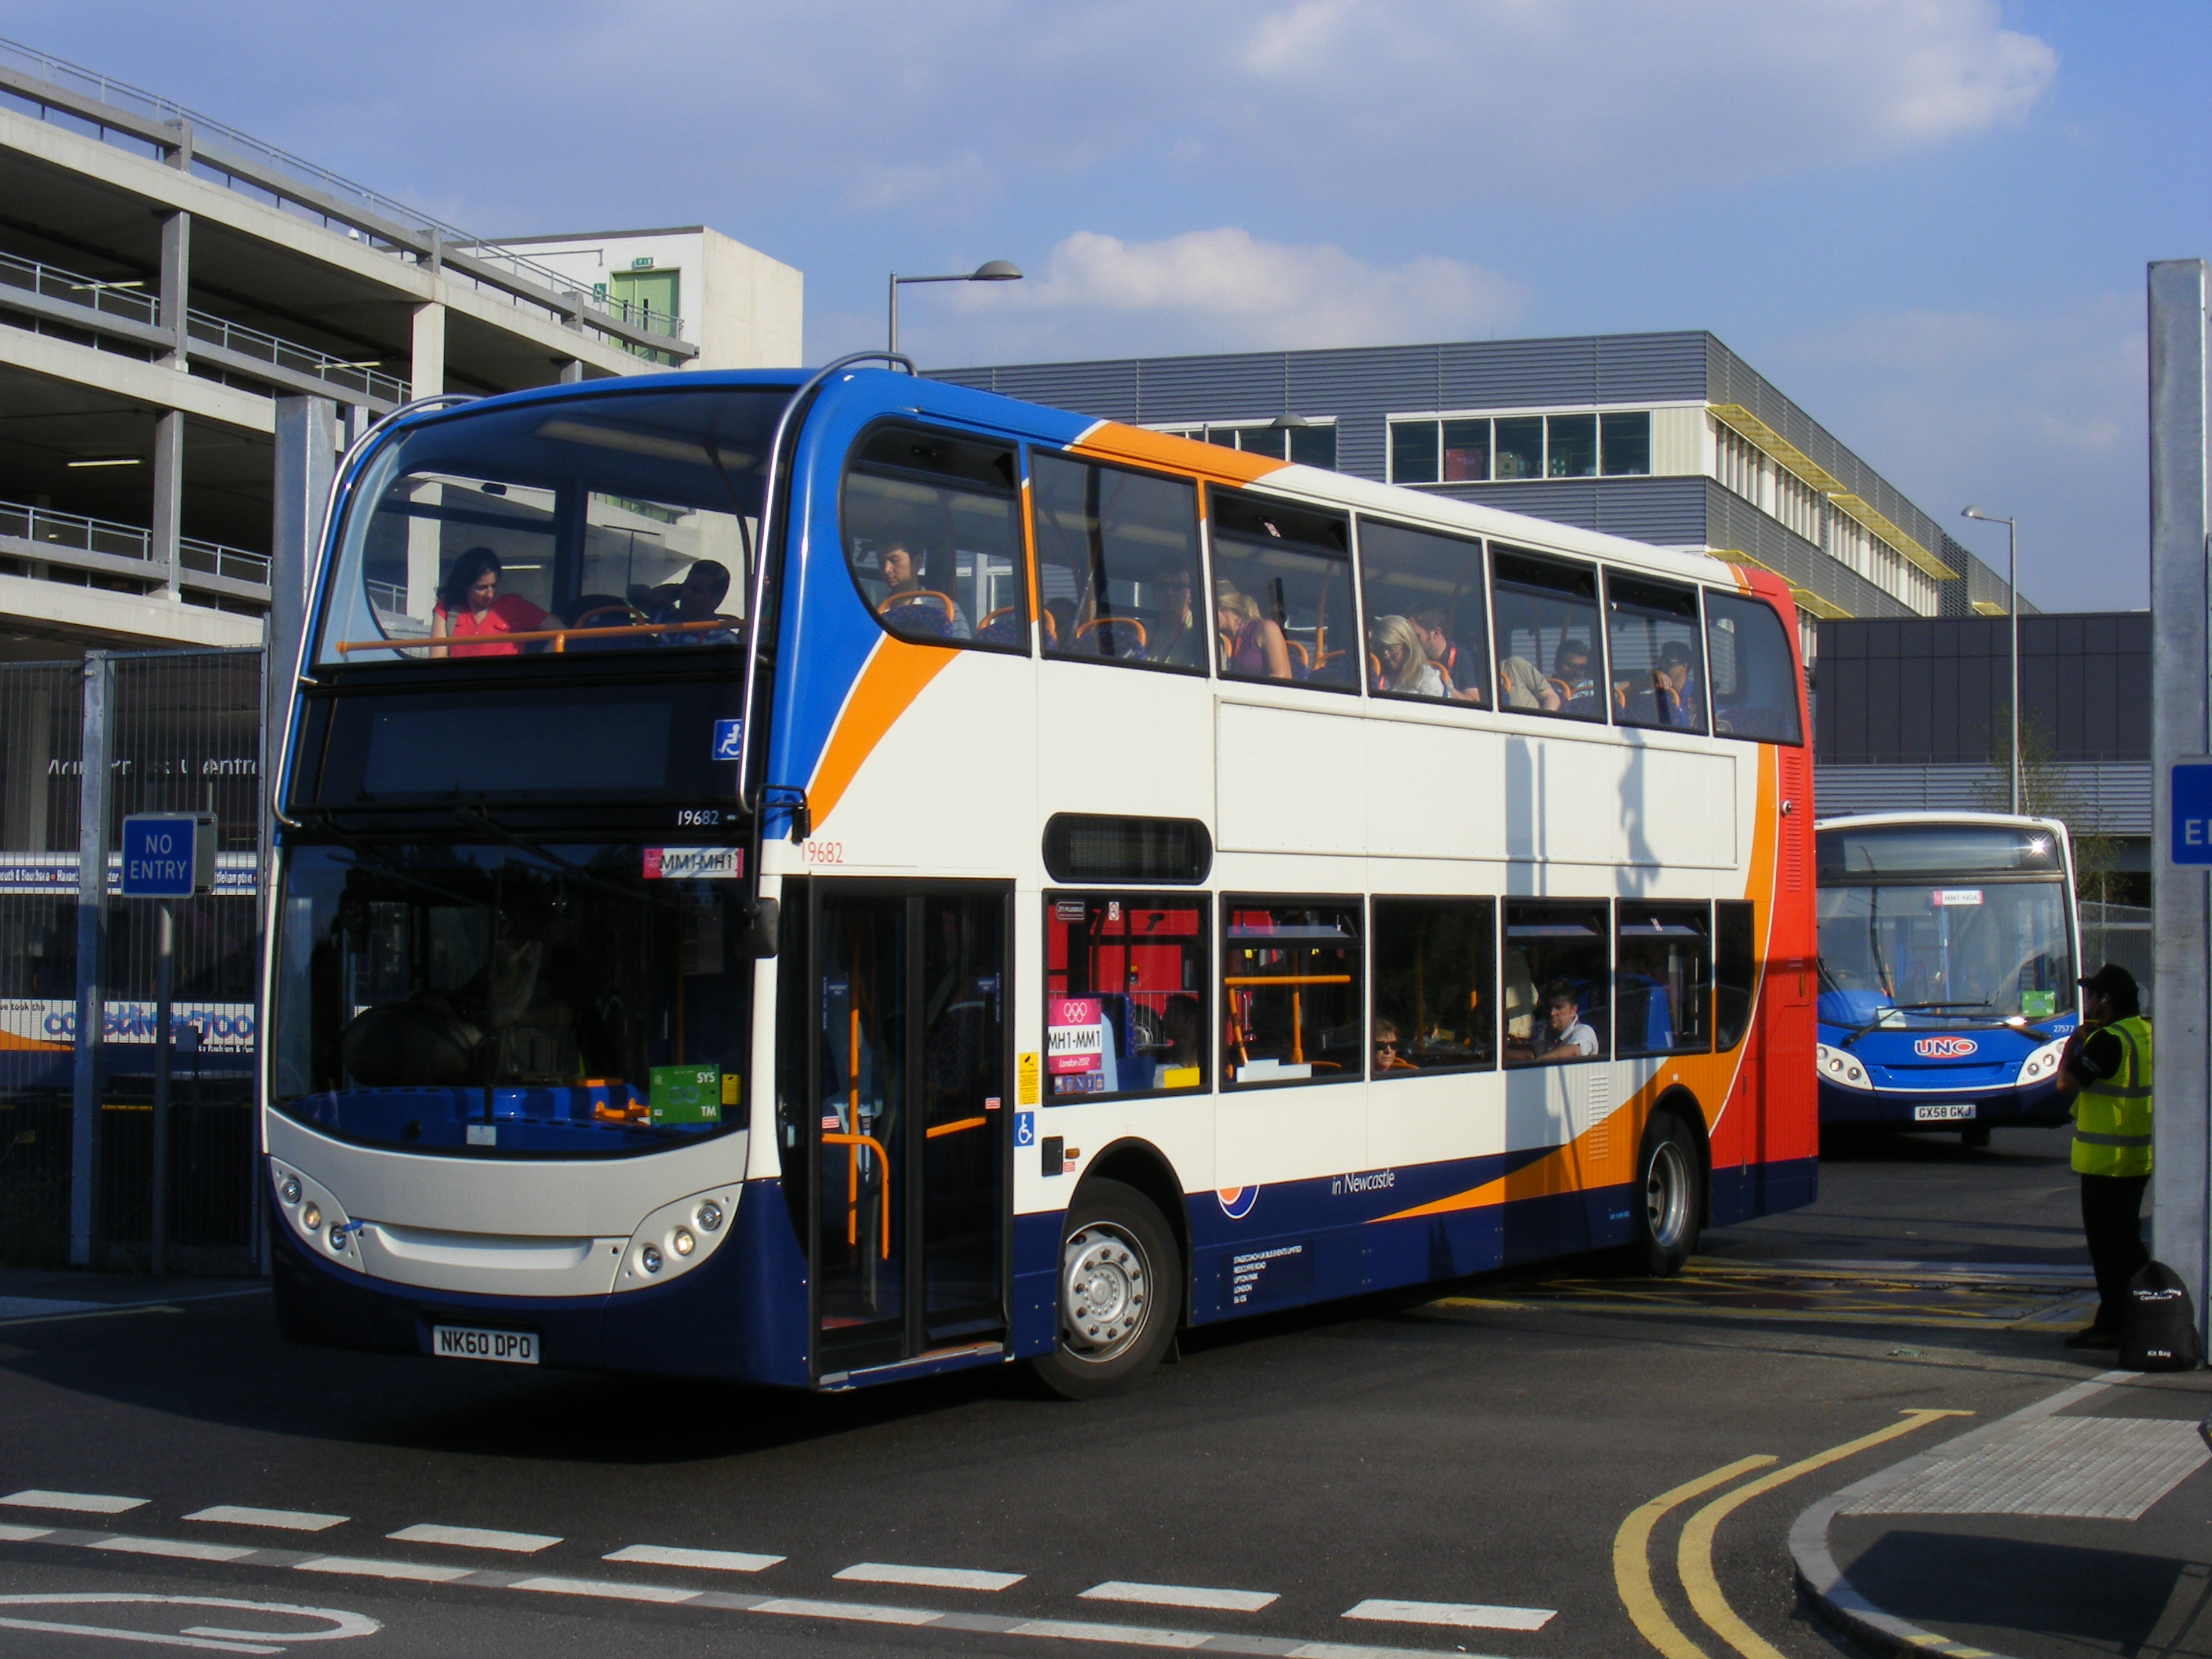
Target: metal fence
2121,933
183,734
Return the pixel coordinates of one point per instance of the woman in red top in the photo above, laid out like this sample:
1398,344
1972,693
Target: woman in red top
470,606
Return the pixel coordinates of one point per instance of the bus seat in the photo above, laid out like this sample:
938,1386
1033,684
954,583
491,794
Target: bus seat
918,611
1120,636
1004,626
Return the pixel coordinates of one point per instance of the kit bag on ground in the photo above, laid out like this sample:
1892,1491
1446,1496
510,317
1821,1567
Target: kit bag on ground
2158,1328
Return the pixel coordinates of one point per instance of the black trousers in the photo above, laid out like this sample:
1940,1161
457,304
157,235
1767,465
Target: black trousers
2112,1220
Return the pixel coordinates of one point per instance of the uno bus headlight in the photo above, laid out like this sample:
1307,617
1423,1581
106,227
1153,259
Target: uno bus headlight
2043,1064
1839,1065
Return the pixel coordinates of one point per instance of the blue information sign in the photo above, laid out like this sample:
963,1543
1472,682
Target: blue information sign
727,735
2191,798
167,855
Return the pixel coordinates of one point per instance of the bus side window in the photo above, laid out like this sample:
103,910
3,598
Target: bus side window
1735,972
1282,593
1291,996
1565,949
1436,583
1663,979
1655,656
932,538
1117,564
1755,677
1125,994
1436,1007
1550,658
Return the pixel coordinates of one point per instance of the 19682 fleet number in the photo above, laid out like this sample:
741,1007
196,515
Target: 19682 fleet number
823,852
691,818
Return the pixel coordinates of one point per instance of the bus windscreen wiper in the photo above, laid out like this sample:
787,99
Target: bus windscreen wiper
1905,1008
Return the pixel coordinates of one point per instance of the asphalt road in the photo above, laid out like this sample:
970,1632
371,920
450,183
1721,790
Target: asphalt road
1489,1450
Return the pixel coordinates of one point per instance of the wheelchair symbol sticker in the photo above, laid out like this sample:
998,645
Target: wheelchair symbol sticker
727,736
1024,1128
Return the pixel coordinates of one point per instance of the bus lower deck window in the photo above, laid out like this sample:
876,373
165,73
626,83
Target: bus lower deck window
1125,994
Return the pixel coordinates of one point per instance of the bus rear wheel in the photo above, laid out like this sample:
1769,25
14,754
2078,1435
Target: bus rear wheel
1665,1205
1120,1283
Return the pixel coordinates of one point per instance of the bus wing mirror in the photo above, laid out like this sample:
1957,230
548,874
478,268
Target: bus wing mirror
759,939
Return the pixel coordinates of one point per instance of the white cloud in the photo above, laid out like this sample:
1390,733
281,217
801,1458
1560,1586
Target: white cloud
2038,417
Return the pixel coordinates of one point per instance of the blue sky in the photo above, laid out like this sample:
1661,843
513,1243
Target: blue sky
1926,220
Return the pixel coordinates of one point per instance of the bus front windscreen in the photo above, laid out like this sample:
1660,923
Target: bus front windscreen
610,521
1933,953
494,1000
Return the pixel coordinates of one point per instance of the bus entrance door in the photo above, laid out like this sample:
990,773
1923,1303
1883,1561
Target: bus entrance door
909,1172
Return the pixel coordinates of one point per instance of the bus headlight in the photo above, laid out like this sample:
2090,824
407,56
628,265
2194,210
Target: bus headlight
675,1239
2043,1064
1840,1066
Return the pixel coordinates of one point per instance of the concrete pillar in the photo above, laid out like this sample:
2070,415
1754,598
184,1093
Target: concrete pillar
176,283
165,548
572,372
2181,729
306,465
428,353
91,959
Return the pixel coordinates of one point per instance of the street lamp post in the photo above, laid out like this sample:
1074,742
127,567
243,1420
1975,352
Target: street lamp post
991,270
2011,607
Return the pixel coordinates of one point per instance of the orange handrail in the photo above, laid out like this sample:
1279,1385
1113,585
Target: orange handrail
955,1128
853,1184
560,636
1287,979
1143,638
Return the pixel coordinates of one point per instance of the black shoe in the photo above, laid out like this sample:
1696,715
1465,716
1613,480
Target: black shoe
2097,1336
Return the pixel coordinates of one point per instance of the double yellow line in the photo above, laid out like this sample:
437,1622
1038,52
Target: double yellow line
1693,1557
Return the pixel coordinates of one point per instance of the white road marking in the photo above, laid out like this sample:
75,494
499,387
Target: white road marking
146,1638
1181,1596
21,1535
884,1572
181,1548
1134,1635
215,1637
665,1555
476,1538
860,1610
1472,1615
287,1520
85,1503
361,1566
602,1587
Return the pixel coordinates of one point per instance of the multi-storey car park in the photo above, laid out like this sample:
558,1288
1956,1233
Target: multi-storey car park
165,279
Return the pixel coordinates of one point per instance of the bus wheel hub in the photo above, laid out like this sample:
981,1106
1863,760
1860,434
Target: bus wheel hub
1103,1287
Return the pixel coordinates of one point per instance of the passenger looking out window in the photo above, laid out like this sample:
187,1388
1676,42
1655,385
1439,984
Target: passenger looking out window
1291,1001
932,538
1435,966
1658,663
1548,613
1293,566
1252,645
1563,947
471,607
1117,563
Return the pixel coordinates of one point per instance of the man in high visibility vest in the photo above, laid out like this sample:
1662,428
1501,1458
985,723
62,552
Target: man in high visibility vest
2107,1067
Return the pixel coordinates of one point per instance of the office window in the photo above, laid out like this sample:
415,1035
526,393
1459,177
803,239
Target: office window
1663,979
1736,971
1117,564
1625,443
1467,451
1263,440
1548,660
1125,993
1572,441
1754,678
1291,991
1519,447
1554,989
1315,444
1433,585
1435,1006
1655,654
1282,591
1413,452
933,540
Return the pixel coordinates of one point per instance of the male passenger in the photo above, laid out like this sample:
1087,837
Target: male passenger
1175,638
1675,699
1572,677
698,598
1567,1037
1429,624
919,608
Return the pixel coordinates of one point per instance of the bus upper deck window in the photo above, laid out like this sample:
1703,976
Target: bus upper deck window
1754,674
933,539
1435,585
1282,593
1655,654
1549,659
1117,564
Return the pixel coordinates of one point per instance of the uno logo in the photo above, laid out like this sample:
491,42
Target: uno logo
1946,1048
1237,1202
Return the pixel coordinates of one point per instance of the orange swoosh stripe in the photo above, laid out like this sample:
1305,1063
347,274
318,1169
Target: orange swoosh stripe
10,1042
893,677
1110,440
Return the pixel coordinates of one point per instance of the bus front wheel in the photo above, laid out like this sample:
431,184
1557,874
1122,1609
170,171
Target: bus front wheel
1119,1285
1666,1203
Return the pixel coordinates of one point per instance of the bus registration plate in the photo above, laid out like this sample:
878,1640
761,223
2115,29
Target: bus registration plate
471,1342
1943,1114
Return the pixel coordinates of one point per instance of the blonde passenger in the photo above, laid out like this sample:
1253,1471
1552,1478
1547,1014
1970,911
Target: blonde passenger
1252,647
1406,668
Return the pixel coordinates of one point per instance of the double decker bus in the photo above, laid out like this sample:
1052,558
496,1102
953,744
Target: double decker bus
825,880
1947,969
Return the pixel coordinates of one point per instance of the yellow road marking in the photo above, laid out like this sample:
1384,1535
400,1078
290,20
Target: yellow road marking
1694,1557
1632,1563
